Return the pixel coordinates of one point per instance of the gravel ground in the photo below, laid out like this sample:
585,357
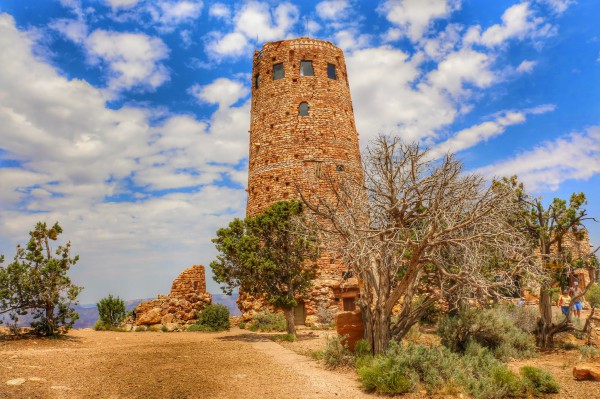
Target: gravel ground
237,364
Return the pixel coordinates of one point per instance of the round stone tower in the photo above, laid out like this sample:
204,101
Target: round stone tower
302,130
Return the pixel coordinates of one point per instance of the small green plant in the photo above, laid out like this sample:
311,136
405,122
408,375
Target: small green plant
588,352
362,348
153,329
285,337
538,381
242,325
569,346
164,328
490,328
593,295
111,311
140,329
267,321
336,352
215,317
198,327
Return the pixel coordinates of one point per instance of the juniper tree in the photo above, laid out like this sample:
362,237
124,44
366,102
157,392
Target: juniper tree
37,283
269,256
111,311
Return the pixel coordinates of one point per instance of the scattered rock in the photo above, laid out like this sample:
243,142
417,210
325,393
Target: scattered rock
16,381
587,371
36,379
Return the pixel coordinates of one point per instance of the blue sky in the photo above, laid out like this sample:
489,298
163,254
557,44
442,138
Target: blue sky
127,120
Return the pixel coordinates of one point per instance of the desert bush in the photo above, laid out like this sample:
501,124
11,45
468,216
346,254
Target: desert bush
111,311
538,381
267,321
325,316
588,352
593,295
214,317
439,371
523,317
490,328
199,327
336,352
362,348
140,329
242,325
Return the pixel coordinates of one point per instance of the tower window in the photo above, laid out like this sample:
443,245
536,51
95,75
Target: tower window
303,109
339,168
256,81
306,68
278,71
318,172
331,71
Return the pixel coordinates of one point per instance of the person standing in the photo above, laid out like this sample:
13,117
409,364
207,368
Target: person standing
564,301
576,302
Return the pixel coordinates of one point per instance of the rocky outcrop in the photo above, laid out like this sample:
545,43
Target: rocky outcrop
587,371
188,296
350,324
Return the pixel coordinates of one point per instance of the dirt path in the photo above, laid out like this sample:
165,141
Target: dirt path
237,364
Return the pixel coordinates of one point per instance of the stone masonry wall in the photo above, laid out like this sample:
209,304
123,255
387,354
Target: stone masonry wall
187,297
290,153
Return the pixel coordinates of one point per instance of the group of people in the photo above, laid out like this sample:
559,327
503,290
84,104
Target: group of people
564,300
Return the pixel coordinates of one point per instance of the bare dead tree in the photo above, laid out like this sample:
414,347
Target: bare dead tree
416,220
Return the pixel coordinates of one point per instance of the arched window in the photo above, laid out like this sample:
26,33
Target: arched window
303,109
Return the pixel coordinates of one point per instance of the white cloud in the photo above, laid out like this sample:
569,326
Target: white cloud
473,135
168,14
333,9
574,156
351,39
413,18
253,21
558,6
518,22
222,91
462,67
121,3
220,10
81,163
526,66
132,58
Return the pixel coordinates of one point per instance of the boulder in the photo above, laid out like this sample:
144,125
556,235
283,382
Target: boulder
351,325
152,316
587,371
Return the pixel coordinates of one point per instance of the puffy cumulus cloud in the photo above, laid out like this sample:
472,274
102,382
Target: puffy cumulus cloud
134,198
132,58
169,14
333,9
254,20
462,67
74,30
222,91
351,39
574,156
219,10
413,18
389,97
518,22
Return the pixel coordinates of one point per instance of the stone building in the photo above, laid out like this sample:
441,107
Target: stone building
180,308
302,129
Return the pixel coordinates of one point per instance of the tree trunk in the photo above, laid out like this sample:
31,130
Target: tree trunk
289,321
377,329
543,337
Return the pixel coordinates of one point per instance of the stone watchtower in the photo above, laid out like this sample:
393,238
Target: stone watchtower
301,130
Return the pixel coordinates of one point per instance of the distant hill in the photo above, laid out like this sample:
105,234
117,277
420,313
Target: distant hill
88,313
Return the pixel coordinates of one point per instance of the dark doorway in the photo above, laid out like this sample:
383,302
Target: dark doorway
349,305
299,314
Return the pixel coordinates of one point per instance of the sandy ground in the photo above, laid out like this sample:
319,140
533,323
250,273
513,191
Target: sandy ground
237,364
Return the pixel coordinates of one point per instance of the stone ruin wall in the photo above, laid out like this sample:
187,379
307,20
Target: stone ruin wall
188,296
291,153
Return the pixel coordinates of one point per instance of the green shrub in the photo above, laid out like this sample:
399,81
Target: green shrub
523,317
242,325
362,348
439,371
490,328
140,329
268,321
252,328
593,295
215,317
100,326
111,311
336,352
588,352
538,381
